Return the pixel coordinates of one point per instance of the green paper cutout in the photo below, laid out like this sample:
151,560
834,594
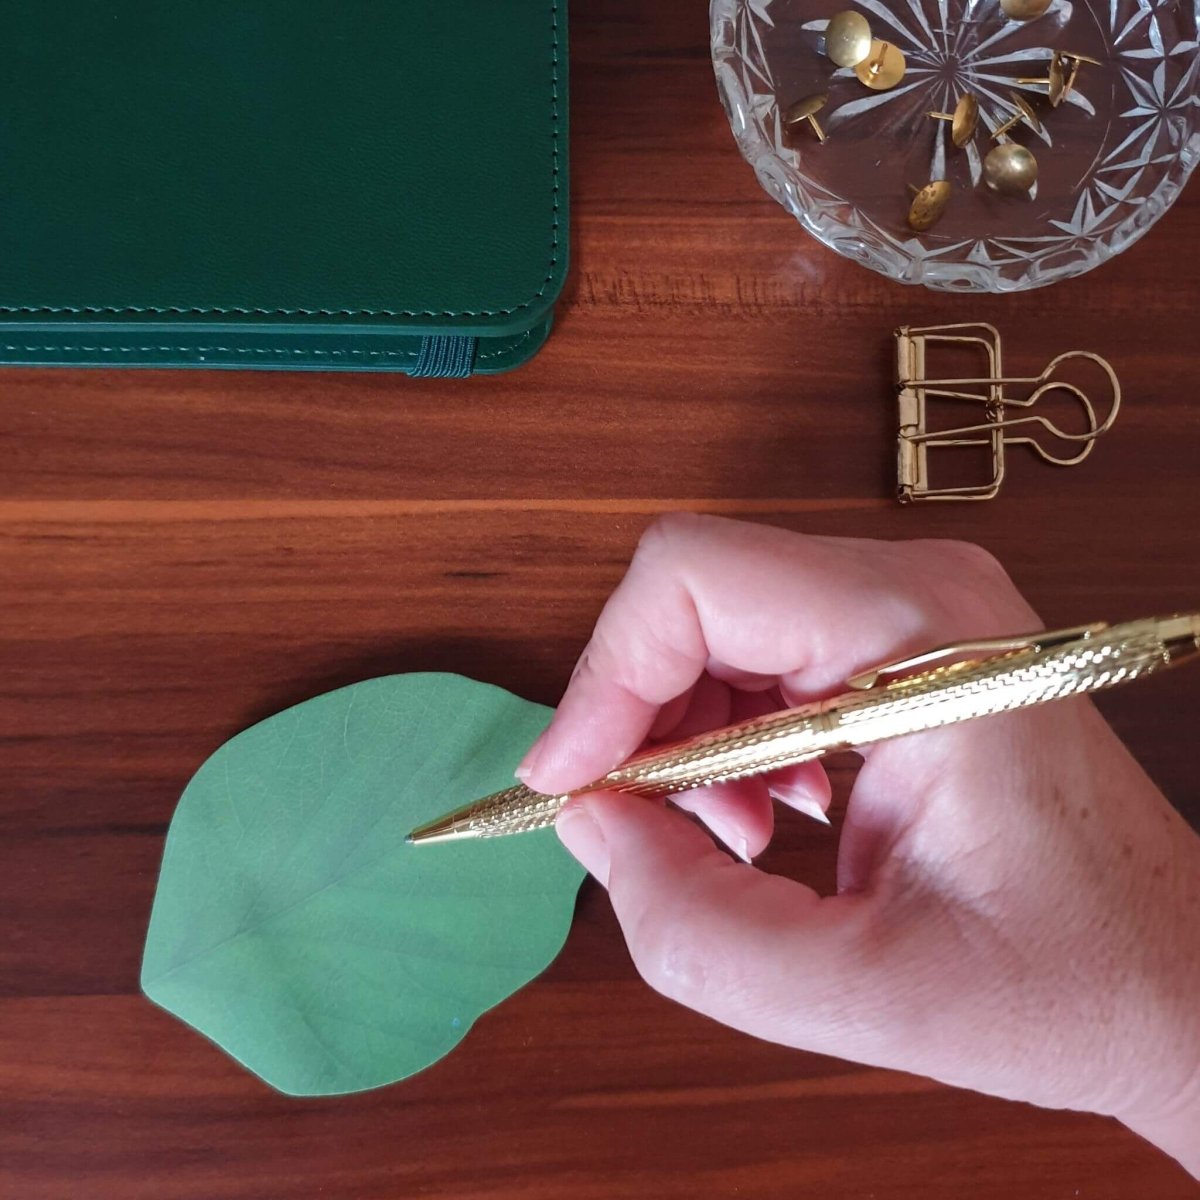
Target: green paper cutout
295,927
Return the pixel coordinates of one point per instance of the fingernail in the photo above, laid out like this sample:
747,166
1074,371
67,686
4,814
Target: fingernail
729,834
810,808
583,837
802,802
529,762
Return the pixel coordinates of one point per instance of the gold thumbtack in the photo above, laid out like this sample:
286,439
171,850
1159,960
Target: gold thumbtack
1055,80
964,120
883,67
1076,61
1024,10
928,204
1010,170
1024,113
805,112
848,38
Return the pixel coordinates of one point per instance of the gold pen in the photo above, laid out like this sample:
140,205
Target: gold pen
942,687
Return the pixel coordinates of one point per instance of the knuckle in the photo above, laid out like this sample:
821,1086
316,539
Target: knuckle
668,954
667,532
656,539
673,968
977,563
638,658
965,577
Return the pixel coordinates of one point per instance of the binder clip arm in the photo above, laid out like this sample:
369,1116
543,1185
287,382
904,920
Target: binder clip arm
915,386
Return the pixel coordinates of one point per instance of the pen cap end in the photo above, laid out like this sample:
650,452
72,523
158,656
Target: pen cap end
1180,636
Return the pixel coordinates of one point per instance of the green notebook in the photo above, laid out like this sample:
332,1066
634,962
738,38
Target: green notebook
300,184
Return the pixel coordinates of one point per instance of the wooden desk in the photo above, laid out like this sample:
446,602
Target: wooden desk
183,554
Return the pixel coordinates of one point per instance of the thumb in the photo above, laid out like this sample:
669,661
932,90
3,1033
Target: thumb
758,952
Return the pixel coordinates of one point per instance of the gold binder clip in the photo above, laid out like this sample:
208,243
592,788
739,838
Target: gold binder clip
915,386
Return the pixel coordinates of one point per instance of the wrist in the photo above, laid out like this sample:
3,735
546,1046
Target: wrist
1175,1129
1167,1113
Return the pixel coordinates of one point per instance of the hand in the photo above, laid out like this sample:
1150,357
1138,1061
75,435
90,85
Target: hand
1018,907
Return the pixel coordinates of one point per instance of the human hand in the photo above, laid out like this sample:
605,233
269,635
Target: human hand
1018,907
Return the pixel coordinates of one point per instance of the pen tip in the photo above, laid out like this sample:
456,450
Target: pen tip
446,829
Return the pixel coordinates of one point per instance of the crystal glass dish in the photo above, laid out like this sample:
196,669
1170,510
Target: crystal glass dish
1111,157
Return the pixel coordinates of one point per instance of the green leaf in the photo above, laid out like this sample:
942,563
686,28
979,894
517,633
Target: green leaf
296,928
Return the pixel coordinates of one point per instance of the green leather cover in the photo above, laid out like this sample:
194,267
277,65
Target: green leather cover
320,184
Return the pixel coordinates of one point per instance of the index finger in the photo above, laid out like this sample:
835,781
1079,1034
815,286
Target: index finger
809,611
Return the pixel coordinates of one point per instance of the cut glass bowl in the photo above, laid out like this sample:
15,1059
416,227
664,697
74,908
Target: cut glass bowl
1112,157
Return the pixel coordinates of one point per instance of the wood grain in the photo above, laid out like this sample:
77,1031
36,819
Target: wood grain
182,554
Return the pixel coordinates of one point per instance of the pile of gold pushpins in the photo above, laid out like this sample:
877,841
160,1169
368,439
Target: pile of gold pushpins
1009,168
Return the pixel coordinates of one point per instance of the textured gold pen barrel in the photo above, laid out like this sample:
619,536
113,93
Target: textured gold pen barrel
1020,679
776,740
779,739
517,809
946,695
751,748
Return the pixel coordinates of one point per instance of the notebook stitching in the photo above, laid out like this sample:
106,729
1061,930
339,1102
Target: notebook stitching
504,350
281,352
555,188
